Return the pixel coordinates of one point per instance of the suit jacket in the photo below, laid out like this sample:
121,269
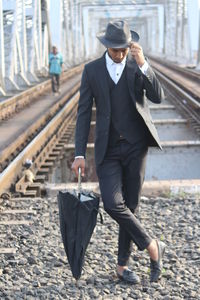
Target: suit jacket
95,87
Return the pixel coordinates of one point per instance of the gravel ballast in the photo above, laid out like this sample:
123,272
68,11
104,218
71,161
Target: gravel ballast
39,268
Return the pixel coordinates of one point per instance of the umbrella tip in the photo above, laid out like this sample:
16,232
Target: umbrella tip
77,282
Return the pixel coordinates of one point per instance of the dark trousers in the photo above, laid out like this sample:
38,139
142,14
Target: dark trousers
55,82
121,176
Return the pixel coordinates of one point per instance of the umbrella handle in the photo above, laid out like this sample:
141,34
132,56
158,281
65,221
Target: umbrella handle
79,181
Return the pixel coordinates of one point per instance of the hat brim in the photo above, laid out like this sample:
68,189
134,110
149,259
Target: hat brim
111,44
135,36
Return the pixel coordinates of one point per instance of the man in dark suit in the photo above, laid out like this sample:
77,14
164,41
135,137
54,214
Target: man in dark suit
120,83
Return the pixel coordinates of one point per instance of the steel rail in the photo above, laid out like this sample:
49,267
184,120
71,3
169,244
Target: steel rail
189,106
12,105
183,101
188,73
185,82
11,151
186,95
9,175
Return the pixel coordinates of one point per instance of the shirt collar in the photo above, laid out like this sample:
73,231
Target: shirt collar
110,62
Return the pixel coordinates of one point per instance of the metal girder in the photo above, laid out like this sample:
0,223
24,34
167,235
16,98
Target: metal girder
81,22
24,36
95,17
164,31
176,30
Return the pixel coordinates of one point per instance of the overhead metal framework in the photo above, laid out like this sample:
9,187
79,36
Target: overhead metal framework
28,28
162,25
24,43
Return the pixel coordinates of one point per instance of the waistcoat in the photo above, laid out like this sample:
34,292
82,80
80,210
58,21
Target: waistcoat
126,122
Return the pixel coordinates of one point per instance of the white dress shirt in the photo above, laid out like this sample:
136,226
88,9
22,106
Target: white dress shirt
115,71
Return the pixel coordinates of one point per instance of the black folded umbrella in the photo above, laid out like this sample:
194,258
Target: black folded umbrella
78,215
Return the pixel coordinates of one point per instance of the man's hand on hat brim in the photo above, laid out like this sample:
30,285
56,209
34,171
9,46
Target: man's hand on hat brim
137,53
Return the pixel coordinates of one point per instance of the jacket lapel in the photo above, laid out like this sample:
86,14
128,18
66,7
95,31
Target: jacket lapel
103,81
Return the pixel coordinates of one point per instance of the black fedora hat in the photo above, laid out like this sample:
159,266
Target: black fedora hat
135,36
117,35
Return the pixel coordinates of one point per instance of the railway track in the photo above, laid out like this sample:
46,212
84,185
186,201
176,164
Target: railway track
178,124
179,114
52,151
189,73
10,106
187,79
19,126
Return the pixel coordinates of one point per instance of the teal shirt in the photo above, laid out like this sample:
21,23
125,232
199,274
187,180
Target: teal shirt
55,62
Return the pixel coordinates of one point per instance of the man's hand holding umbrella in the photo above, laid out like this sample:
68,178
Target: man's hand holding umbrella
79,162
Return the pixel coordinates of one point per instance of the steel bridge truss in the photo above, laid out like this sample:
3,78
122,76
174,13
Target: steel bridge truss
24,43
162,25
25,38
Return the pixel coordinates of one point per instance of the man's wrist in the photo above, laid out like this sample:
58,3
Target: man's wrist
144,67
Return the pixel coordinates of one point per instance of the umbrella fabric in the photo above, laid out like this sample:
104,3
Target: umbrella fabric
78,215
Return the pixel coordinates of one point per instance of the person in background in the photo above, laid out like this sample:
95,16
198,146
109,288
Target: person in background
120,82
55,69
